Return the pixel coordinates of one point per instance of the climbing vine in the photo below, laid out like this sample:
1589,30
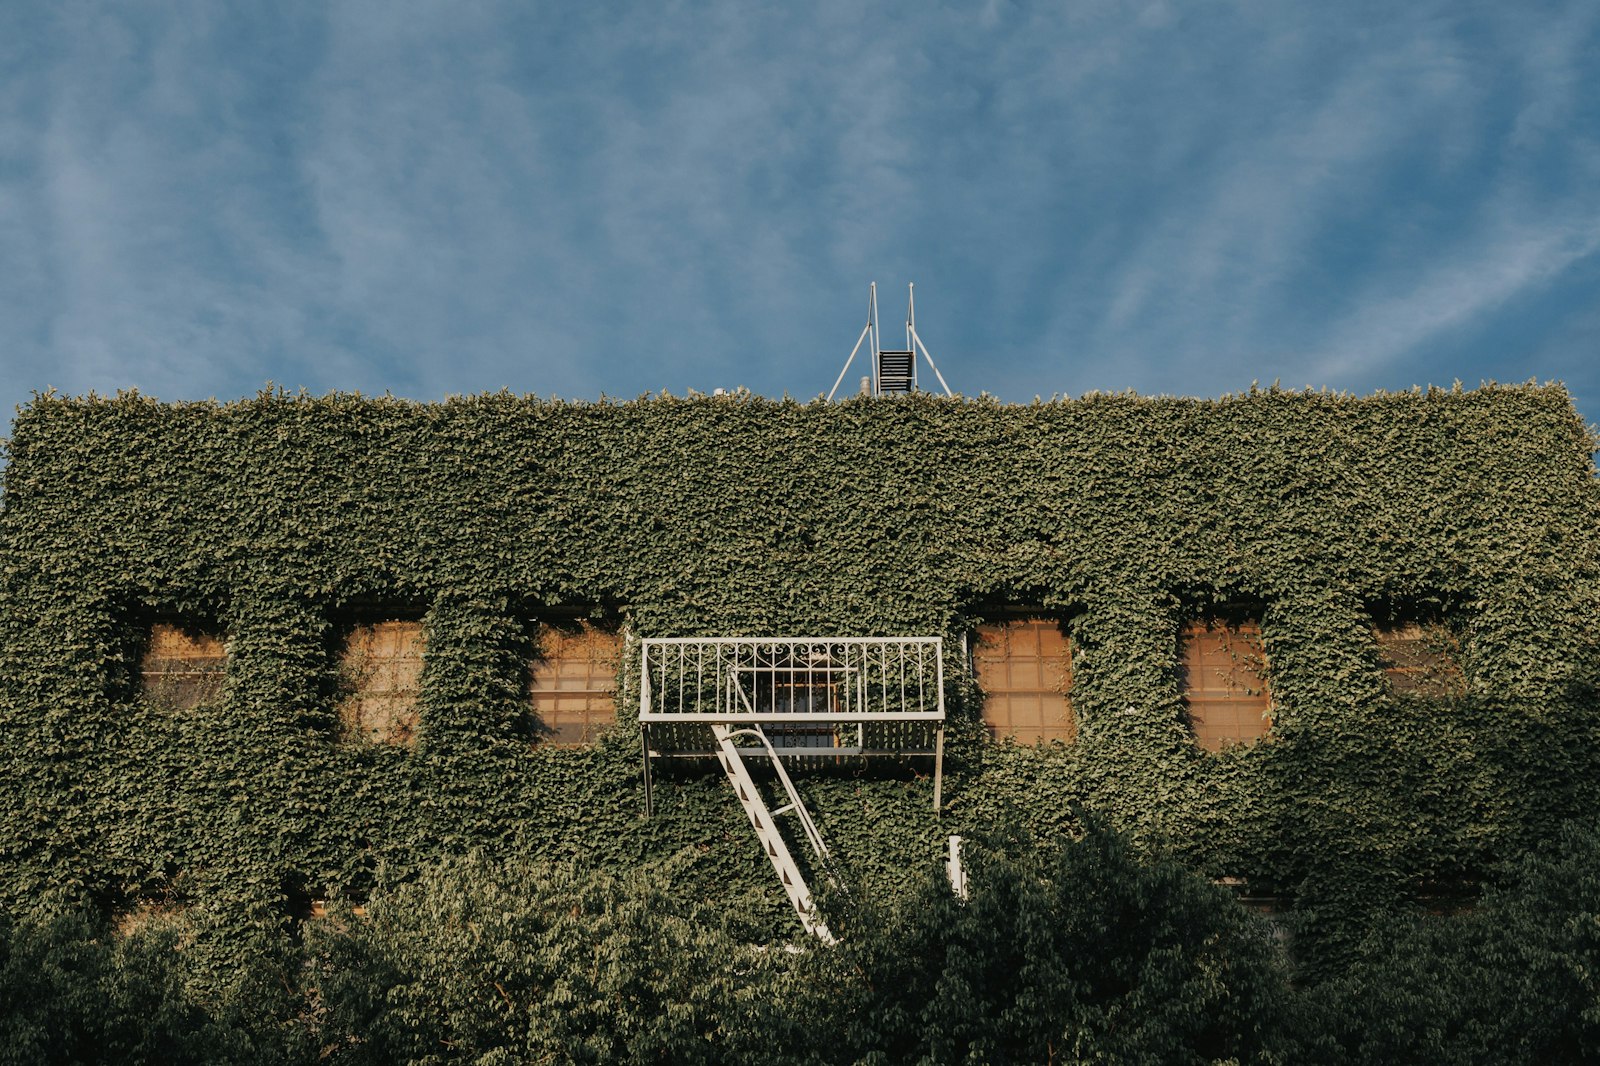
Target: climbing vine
278,519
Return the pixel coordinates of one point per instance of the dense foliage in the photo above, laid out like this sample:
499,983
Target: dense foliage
1070,951
1075,952
538,963
1517,979
75,989
280,519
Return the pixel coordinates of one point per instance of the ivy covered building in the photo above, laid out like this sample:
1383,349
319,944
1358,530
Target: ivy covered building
1340,651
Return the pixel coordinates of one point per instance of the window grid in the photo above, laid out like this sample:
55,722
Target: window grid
182,668
1225,685
1024,667
382,669
797,687
1422,659
572,683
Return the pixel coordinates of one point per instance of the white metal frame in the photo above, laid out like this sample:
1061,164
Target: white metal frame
765,824
870,332
686,680
747,688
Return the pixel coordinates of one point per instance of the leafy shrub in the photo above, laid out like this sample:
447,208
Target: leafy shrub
1071,951
525,961
1516,980
72,990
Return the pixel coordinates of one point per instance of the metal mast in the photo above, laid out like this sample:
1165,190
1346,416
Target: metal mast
894,371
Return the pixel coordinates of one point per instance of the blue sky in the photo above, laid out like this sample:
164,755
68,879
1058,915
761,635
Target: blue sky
577,199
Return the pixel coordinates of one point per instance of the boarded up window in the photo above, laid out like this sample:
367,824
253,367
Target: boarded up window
1224,682
1423,659
573,683
1025,670
182,667
382,672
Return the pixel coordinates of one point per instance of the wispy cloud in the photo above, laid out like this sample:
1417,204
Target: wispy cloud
1453,292
1351,207
438,198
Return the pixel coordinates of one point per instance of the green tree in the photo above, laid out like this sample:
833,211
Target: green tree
1076,950
523,961
74,990
1517,980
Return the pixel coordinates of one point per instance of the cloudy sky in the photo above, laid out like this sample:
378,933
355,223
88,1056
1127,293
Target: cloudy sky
601,198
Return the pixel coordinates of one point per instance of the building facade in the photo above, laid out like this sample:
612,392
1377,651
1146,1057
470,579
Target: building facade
1326,647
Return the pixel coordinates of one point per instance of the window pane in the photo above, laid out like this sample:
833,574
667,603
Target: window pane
1024,667
182,668
1421,658
572,682
1224,682
381,667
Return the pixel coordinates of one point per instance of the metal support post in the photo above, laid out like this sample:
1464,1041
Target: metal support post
644,744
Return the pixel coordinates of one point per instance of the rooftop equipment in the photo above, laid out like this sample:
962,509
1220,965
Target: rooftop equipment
894,372
810,700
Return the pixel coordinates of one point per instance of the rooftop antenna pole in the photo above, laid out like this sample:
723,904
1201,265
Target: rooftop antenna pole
894,372
877,345
911,328
871,308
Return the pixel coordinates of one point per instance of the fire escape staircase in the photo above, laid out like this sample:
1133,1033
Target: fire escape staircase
731,756
796,686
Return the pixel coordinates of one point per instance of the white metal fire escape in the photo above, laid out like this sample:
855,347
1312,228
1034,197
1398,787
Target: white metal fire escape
764,822
805,693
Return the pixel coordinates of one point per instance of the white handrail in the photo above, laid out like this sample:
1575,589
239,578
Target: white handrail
796,804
